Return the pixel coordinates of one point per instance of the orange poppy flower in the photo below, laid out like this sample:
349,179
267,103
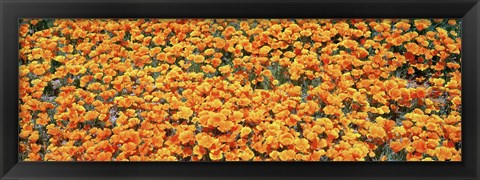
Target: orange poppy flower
104,156
204,140
245,131
377,132
287,155
396,146
216,155
301,144
419,145
287,139
329,109
265,50
186,136
443,153
42,119
244,102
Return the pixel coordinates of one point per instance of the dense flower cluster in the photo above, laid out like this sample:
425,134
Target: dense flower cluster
232,89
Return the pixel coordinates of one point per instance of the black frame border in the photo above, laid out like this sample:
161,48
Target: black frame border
11,11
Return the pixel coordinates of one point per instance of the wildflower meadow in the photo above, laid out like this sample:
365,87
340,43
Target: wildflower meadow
240,90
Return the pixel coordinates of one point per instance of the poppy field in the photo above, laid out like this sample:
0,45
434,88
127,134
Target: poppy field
240,90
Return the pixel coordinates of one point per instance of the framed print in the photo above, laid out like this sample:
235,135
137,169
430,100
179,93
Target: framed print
239,89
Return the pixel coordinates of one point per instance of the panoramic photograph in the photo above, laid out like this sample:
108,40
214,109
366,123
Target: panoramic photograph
240,90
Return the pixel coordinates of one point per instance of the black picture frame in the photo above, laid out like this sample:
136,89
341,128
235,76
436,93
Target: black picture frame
468,10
